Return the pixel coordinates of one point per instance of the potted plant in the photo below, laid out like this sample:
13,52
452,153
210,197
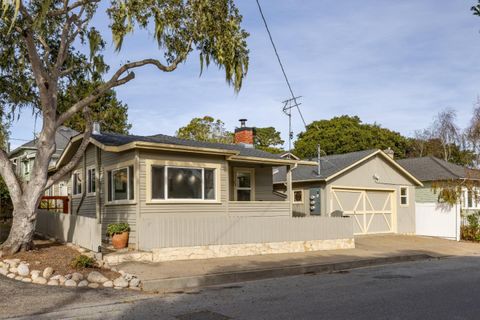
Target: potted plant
119,234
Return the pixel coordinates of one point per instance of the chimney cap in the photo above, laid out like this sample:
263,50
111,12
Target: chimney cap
242,122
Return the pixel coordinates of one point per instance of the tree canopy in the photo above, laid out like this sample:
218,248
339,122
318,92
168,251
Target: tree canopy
347,134
206,129
268,139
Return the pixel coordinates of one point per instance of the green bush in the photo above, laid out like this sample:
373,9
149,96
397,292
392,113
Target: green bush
82,261
471,231
116,228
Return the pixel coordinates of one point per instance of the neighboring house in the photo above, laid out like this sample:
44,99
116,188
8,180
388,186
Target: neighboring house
366,185
23,158
434,217
183,193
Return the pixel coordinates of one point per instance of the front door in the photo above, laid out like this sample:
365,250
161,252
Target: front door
244,184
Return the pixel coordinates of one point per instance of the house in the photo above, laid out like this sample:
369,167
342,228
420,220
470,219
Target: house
368,186
23,157
434,216
185,198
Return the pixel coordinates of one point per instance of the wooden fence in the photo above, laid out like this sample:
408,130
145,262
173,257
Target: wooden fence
82,231
163,232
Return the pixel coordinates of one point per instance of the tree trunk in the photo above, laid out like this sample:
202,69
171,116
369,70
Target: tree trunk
21,233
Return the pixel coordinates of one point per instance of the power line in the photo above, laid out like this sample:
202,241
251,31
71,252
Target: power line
294,98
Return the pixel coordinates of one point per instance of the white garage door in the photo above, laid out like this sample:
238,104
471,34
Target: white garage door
371,210
436,220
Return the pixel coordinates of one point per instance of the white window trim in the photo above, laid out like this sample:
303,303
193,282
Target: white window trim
88,180
293,196
116,167
77,195
464,199
183,165
407,196
237,170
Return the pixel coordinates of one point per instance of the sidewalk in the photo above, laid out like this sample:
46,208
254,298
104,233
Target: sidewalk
370,250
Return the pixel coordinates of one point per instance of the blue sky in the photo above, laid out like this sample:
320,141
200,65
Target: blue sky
396,63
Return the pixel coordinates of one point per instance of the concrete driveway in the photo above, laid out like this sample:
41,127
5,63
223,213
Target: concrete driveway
370,250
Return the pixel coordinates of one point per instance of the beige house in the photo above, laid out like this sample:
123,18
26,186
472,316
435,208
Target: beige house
177,193
368,186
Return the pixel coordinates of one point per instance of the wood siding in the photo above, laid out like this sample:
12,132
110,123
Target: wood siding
173,231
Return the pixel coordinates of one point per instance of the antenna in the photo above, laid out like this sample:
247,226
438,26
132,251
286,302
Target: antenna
288,105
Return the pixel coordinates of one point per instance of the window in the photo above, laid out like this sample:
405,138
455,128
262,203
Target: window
182,183
470,199
91,187
244,184
120,184
26,166
297,196
76,183
404,196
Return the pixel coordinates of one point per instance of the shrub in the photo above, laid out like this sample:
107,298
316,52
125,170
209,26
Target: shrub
471,231
116,228
82,261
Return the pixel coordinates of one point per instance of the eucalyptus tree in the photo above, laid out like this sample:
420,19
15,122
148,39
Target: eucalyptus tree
41,59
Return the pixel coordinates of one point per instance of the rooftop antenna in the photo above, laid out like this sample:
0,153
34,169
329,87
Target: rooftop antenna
288,105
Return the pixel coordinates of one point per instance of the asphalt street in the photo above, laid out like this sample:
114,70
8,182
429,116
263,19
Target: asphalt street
434,289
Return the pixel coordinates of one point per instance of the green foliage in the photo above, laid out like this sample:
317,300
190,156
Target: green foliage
205,129
471,231
117,228
347,134
82,261
267,139
433,147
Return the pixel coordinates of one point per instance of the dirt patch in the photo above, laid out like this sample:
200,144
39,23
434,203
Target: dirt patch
58,256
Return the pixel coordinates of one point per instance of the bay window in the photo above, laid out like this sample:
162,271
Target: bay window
182,183
120,184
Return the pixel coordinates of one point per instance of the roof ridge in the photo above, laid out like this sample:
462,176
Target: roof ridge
440,162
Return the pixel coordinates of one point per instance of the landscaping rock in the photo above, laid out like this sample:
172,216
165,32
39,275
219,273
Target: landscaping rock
18,278
11,275
13,270
83,283
120,282
68,276
70,283
47,272
135,288
53,282
97,277
62,280
27,280
35,274
40,280
128,276
12,263
121,272
93,285
108,284
118,288
3,271
77,276
23,270
134,283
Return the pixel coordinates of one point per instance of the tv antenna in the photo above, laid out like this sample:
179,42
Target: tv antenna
288,105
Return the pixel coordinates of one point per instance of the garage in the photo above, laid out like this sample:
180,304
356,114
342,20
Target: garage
368,186
371,210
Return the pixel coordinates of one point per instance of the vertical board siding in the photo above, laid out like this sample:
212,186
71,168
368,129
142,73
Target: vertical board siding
259,208
79,230
171,231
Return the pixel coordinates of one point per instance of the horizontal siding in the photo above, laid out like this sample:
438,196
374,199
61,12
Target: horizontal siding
425,194
164,232
259,208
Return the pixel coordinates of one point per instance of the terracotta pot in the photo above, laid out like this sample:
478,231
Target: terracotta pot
120,240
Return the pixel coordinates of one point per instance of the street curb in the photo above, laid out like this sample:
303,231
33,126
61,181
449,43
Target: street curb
170,285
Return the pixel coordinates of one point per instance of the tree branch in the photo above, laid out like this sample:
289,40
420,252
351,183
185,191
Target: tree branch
9,176
71,7
75,159
116,81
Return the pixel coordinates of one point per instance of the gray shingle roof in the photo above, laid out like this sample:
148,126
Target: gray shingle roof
434,169
62,137
114,139
329,165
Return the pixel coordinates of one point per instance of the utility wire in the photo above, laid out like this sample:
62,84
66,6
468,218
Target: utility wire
280,62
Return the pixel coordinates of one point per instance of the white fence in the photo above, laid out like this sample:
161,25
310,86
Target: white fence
82,231
437,220
171,231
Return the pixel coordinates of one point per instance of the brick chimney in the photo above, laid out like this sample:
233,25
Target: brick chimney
244,135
